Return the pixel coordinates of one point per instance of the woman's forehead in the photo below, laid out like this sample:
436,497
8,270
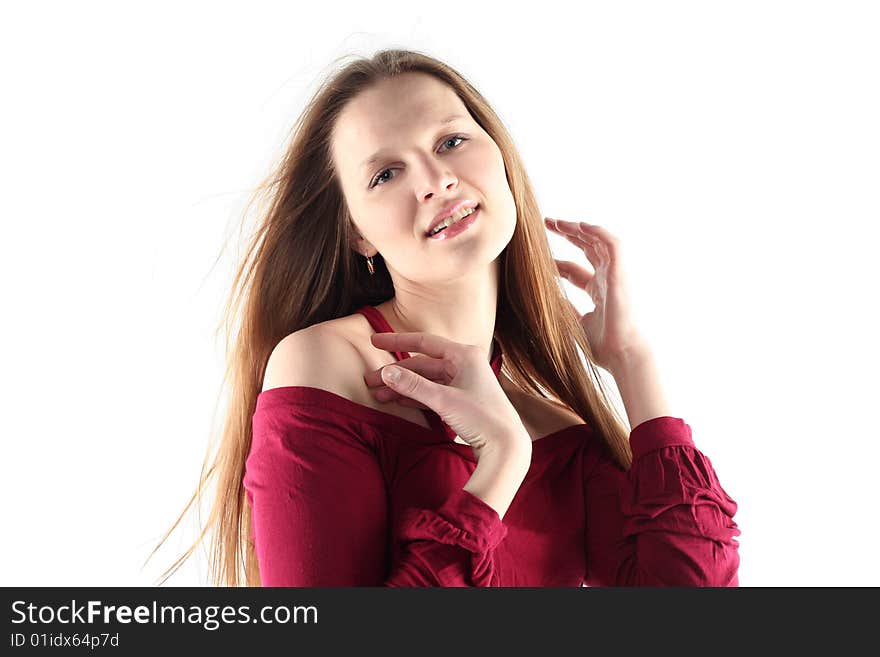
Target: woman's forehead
380,120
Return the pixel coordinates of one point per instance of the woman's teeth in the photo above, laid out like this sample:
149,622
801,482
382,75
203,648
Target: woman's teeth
452,219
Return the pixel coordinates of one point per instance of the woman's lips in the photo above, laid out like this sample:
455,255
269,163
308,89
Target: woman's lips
458,227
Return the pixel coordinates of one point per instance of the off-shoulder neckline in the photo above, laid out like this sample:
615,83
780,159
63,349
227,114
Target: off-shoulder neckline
312,396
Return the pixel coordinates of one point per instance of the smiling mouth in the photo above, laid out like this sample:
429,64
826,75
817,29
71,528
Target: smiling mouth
446,223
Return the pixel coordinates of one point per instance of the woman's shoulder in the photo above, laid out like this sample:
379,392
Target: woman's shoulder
334,356
318,356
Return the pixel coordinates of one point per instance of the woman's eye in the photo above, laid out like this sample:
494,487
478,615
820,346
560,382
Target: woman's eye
454,138
379,177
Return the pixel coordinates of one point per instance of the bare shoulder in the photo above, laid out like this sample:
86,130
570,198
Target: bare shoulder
318,356
334,356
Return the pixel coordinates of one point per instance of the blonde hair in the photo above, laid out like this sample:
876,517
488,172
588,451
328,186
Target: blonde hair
299,269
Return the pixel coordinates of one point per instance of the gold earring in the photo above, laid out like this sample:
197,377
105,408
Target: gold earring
370,266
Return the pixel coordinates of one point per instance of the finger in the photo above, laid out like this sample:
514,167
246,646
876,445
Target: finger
383,393
423,343
574,273
386,394
592,249
608,250
594,255
409,384
430,368
562,226
550,223
412,403
573,229
557,224
609,241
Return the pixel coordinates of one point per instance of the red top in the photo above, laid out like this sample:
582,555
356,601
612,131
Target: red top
346,495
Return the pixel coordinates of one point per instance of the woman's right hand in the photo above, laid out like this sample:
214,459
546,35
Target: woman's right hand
456,382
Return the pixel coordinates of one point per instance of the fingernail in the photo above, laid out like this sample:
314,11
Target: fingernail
391,374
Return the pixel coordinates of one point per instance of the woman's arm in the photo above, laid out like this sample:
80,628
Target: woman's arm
318,494
320,515
638,381
666,521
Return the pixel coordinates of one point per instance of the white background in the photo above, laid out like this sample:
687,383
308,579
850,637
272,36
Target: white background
733,148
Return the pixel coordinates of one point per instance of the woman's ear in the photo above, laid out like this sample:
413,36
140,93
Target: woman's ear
358,243
362,247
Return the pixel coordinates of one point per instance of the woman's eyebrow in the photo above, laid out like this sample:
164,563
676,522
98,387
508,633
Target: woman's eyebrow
375,156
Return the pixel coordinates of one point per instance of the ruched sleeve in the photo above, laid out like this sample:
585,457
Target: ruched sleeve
666,521
450,546
319,507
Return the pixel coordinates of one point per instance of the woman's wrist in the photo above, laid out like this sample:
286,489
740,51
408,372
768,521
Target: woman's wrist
638,381
499,473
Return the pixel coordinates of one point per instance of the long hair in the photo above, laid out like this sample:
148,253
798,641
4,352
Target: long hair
299,269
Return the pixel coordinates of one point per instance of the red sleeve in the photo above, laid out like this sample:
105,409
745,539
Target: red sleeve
664,522
320,512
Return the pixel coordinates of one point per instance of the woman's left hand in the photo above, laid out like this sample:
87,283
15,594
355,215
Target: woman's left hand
613,336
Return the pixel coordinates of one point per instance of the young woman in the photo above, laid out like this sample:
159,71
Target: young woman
402,230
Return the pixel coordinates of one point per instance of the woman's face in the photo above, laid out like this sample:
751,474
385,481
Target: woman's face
422,165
